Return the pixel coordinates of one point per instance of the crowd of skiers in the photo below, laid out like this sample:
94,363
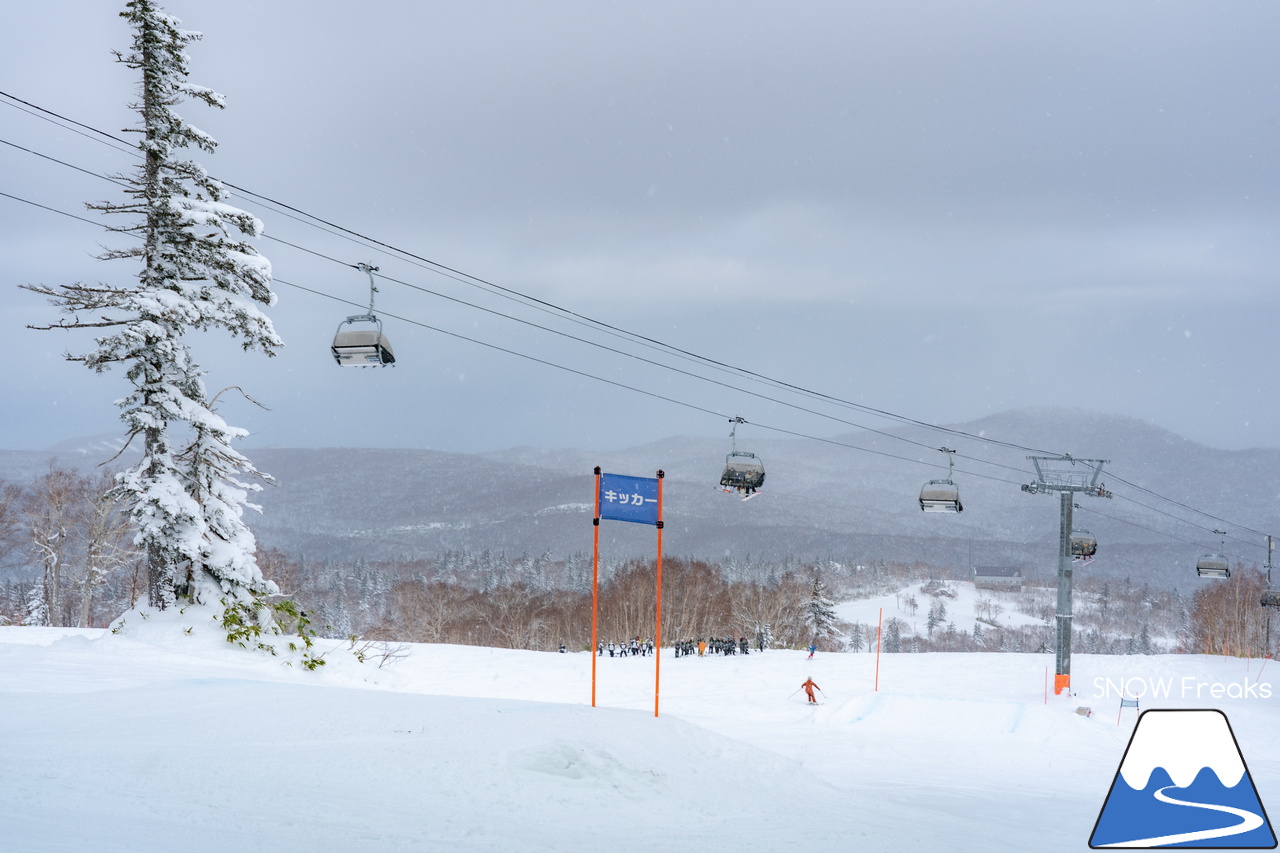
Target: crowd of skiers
716,646
634,647
700,647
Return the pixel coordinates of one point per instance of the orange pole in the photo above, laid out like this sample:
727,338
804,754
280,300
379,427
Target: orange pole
657,631
878,624
595,587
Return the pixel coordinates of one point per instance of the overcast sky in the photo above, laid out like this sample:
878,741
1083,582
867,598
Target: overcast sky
939,209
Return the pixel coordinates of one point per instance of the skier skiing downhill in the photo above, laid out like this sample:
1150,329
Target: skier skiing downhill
809,686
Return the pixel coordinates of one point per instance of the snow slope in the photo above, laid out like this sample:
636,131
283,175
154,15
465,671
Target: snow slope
156,741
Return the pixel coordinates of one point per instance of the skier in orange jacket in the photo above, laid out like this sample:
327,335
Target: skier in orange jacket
809,686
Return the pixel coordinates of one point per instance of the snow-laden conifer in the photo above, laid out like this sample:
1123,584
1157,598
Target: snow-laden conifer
820,613
197,271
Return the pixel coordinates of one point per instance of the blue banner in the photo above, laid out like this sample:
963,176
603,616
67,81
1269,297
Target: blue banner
629,498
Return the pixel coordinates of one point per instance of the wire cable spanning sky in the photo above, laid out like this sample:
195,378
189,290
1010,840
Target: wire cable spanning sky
917,211
581,320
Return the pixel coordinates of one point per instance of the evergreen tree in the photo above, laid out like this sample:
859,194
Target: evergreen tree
197,273
856,642
1144,641
936,615
820,613
893,636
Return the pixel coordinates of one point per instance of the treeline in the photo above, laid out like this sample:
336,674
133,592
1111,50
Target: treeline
67,557
1225,618
67,544
538,602
433,604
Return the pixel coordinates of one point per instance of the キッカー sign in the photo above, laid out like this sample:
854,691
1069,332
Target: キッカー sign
624,498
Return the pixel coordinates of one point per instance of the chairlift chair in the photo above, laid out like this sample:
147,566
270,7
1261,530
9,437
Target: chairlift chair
1271,597
743,471
1083,545
1213,566
941,495
364,345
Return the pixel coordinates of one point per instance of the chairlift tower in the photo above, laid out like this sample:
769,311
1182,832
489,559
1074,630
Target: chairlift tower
1067,476
1270,595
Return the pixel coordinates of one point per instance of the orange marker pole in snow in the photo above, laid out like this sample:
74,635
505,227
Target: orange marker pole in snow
638,500
595,587
878,624
657,630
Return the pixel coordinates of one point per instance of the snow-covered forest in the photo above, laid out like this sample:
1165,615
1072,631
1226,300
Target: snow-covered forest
71,563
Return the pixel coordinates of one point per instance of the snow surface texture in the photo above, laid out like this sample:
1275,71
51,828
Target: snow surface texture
152,740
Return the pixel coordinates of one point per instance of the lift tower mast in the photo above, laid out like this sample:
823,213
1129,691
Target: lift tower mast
1067,476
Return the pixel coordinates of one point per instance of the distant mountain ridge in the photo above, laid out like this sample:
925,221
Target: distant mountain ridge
852,497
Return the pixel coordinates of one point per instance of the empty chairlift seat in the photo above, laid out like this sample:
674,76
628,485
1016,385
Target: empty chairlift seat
364,346
1213,566
940,496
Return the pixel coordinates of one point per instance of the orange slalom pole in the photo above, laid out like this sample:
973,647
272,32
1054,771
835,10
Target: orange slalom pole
595,586
657,631
878,625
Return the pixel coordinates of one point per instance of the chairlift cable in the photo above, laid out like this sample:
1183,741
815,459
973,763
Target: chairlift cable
528,299
703,409
464,277
62,162
779,430
49,116
1166,534
1185,506
52,209
579,339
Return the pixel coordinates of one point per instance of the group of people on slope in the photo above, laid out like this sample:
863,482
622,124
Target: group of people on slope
716,646
635,647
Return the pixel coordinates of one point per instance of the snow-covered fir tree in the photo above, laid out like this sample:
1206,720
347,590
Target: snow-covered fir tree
820,613
196,272
893,636
1145,645
937,613
856,642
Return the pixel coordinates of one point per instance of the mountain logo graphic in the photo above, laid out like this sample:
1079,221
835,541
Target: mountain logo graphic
1183,783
